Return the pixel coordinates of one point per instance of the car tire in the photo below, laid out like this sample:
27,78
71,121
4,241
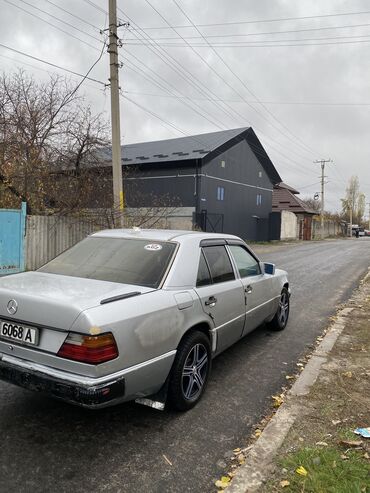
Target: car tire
281,317
190,371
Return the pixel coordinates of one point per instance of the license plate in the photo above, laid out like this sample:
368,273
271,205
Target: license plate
19,333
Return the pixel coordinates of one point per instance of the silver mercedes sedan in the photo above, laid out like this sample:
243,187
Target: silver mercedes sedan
135,314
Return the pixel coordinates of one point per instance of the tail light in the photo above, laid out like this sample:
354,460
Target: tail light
89,349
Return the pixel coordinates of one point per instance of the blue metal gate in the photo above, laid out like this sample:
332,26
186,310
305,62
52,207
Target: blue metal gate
12,232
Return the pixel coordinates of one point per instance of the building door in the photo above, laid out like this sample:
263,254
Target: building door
12,231
307,228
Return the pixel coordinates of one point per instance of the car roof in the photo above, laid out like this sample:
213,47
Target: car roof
159,234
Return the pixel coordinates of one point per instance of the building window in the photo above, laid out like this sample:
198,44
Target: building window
223,164
220,193
259,199
260,174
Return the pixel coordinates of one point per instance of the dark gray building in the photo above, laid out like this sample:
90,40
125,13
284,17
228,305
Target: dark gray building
225,178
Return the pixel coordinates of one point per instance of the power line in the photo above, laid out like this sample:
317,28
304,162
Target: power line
302,144
253,45
292,103
264,33
72,14
47,71
203,60
51,24
57,18
19,52
261,21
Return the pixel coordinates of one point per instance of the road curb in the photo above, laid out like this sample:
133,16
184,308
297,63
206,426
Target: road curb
259,459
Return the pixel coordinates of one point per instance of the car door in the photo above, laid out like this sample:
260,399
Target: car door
221,294
257,287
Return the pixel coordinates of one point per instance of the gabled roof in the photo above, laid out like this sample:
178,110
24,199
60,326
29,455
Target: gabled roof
284,200
202,146
287,187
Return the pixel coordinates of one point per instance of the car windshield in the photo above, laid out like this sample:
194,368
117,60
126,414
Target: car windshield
122,260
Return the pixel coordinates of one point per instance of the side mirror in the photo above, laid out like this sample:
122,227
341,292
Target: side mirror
269,268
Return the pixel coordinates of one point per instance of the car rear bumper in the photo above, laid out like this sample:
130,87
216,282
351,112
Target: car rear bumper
137,381
93,396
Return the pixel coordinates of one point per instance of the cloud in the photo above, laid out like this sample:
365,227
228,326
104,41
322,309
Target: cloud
294,135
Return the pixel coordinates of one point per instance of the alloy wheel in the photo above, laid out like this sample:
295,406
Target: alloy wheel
194,371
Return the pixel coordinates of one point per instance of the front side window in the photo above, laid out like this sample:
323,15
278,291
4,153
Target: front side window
219,263
247,265
122,260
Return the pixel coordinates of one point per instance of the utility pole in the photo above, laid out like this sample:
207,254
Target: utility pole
118,198
369,213
350,219
322,162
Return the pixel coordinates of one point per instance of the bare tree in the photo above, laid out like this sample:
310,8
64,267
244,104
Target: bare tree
44,129
313,204
52,156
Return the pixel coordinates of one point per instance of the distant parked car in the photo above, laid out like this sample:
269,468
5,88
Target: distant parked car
125,314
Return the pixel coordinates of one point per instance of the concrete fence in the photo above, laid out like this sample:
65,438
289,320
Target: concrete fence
47,236
331,229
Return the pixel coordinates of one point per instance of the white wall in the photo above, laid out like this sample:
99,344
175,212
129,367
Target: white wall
289,226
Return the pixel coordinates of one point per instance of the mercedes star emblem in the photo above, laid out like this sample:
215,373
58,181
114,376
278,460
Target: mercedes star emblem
12,307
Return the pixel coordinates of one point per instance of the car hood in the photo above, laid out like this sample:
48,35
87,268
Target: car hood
54,300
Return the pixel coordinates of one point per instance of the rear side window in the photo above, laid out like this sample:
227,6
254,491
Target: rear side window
204,276
219,263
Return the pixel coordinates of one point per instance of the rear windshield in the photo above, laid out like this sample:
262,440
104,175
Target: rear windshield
128,261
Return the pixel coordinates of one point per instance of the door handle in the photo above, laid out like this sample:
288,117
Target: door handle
211,301
248,289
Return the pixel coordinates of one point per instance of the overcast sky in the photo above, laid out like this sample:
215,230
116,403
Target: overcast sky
297,72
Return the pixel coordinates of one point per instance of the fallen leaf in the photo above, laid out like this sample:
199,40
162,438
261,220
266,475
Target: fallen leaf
350,443
289,377
336,421
278,400
223,482
300,364
323,444
301,471
284,483
220,484
237,450
258,432
366,455
347,374
344,457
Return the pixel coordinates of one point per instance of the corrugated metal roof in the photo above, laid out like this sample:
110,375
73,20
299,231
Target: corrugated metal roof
284,200
183,148
287,187
203,146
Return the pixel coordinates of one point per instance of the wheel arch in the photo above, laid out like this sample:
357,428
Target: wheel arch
200,327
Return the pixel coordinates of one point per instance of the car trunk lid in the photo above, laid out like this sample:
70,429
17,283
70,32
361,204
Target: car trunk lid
55,301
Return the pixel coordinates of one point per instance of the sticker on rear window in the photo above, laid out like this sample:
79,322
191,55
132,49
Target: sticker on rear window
153,247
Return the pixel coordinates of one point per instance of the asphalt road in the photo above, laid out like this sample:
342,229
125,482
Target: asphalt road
48,446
